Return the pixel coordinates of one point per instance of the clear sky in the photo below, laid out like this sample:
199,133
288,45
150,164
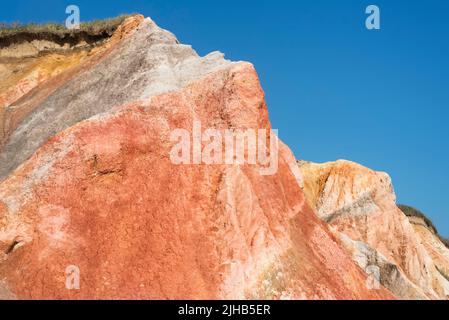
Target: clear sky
335,90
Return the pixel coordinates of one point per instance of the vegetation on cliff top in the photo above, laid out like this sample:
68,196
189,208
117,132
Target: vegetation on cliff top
93,27
412,212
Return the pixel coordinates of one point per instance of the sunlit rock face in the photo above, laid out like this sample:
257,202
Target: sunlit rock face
437,250
359,205
93,207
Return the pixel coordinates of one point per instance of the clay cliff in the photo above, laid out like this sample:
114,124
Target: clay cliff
88,183
436,246
359,205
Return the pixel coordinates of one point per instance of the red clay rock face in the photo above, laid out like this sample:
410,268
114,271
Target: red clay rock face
104,196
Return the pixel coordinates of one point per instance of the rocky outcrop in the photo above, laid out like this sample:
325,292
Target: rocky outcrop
360,206
88,186
437,250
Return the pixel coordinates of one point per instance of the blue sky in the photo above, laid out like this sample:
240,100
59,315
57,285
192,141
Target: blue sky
335,90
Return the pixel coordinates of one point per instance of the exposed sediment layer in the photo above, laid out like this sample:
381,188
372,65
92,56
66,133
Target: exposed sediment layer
148,62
